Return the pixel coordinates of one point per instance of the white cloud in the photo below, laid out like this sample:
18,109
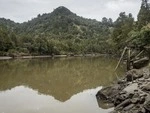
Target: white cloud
23,10
128,6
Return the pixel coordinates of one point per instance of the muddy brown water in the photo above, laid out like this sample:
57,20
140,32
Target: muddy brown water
61,85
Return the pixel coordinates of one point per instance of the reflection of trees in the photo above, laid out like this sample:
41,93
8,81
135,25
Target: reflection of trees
61,78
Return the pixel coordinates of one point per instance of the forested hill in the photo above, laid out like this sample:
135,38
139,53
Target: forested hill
62,23
63,32
59,32
7,23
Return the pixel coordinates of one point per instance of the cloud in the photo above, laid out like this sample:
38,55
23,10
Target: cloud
128,6
24,10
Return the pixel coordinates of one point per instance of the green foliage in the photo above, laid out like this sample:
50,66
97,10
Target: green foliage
122,26
144,14
126,32
63,32
140,35
141,38
59,32
6,40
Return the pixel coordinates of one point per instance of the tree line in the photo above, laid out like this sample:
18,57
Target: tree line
63,32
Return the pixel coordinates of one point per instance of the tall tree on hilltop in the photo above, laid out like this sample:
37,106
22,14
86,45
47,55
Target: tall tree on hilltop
144,14
107,22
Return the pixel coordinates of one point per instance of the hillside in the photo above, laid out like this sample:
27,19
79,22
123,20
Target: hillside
62,22
64,32
59,32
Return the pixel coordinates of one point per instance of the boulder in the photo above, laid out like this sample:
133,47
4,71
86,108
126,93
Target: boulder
140,63
130,106
120,98
124,104
147,106
133,74
131,88
107,93
146,88
106,96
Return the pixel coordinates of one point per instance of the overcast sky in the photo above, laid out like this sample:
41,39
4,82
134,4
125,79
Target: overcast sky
24,10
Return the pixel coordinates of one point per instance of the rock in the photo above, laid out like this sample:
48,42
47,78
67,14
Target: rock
133,74
140,110
146,73
142,79
143,95
107,93
101,95
104,105
121,81
142,100
146,88
147,106
136,95
135,100
114,111
143,110
123,92
148,98
139,84
120,98
130,94
148,79
140,63
129,107
131,88
123,104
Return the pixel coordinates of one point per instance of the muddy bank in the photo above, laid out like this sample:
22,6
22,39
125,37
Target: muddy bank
50,56
5,58
130,94
23,57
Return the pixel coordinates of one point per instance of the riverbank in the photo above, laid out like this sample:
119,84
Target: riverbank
131,94
50,56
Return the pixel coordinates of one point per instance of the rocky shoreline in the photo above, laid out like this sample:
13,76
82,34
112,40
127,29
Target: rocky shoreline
131,94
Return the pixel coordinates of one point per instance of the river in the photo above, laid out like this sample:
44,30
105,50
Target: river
60,85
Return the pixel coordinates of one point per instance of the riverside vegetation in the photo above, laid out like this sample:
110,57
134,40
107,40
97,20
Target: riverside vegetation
63,32
131,94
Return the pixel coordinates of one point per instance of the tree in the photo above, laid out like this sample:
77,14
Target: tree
141,38
6,42
122,26
107,22
144,14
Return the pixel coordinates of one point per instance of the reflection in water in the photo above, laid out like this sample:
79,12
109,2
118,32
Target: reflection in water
61,80
31,102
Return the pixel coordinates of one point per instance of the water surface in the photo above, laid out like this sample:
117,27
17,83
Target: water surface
66,85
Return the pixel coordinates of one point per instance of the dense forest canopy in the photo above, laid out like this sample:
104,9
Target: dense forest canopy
63,32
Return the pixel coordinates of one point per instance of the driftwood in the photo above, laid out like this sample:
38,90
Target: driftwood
121,57
133,62
128,59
